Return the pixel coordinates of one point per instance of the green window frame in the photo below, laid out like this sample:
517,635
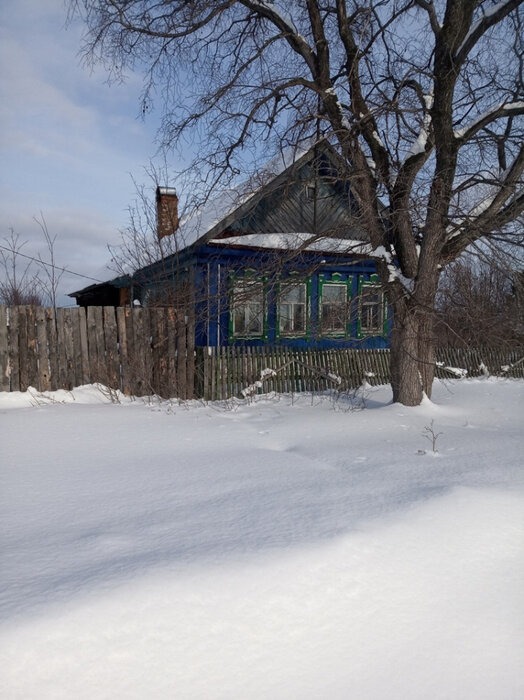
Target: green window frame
293,308
247,307
372,308
334,301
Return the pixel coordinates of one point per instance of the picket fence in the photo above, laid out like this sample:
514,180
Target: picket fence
151,351
244,371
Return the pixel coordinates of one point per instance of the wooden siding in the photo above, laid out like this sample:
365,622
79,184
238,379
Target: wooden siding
288,209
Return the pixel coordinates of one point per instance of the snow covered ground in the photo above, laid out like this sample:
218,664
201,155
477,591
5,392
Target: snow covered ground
281,550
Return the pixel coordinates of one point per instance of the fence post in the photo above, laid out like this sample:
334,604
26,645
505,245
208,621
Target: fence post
111,350
4,351
44,383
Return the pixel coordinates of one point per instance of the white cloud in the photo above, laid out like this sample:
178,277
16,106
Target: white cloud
68,141
39,117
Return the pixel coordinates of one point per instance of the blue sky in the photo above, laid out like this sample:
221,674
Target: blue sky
69,143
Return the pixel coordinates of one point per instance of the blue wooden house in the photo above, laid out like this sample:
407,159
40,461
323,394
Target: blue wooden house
282,260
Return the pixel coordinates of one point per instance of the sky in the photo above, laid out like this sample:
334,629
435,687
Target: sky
71,145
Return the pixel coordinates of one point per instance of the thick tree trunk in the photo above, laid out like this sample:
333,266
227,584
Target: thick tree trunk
426,351
412,362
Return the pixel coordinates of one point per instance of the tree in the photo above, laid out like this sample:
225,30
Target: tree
25,279
422,99
478,304
52,274
19,284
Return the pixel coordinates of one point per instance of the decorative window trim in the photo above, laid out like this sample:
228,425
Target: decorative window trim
248,275
316,190
336,278
311,190
306,333
382,330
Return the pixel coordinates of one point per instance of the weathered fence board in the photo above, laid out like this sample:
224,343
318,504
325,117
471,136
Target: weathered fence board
121,315
158,351
52,353
61,349
181,357
23,348
4,351
91,343
14,356
32,346
130,358
41,337
82,356
112,356
68,342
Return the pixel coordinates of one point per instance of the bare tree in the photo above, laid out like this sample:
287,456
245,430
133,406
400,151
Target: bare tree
26,279
52,274
422,98
19,281
479,305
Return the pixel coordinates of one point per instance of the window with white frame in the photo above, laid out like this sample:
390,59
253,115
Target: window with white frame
371,312
334,308
248,308
292,309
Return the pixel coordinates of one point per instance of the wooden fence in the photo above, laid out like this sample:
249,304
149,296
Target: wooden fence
140,351
151,351
226,372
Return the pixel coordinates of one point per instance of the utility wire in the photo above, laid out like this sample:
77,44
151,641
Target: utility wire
42,262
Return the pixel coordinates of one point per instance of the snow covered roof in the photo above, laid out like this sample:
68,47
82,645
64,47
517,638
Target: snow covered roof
229,204
205,219
305,242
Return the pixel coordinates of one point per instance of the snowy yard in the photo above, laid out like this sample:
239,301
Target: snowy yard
282,550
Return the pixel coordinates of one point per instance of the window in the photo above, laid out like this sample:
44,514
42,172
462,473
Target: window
311,192
334,308
292,310
316,190
248,309
371,310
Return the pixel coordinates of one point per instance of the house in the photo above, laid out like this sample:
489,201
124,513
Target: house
281,260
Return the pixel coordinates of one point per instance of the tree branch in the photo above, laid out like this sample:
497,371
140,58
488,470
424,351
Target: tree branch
464,134
432,14
493,16
490,214
295,40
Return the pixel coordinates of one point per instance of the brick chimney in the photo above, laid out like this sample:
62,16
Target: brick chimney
166,211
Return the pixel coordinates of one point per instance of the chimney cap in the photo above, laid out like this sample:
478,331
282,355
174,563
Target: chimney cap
163,191
166,211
